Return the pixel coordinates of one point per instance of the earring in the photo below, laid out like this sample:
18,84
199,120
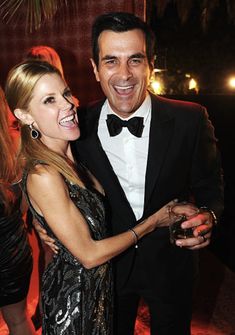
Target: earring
33,132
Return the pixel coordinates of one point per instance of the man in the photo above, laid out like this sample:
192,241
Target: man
172,155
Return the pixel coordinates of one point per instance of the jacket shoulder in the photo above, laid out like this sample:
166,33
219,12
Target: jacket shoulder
177,106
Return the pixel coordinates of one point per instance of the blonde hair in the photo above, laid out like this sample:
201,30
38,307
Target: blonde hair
8,168
47,54
20,84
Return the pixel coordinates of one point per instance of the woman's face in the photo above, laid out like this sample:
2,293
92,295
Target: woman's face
53,112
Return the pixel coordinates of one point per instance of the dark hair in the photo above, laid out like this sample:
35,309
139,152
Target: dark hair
121,22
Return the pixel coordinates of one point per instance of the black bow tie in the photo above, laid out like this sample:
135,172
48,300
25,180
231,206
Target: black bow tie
135,125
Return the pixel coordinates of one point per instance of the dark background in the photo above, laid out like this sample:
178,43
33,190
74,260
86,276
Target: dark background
206,52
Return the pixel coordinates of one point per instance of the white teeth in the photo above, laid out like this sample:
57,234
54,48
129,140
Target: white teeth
123,87
67,119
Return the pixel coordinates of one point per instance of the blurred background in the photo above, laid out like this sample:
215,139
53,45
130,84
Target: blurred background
195,47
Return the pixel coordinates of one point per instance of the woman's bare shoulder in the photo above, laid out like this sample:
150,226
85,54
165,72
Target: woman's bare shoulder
44,175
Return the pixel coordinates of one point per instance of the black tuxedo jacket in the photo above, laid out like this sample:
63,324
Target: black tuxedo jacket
183,163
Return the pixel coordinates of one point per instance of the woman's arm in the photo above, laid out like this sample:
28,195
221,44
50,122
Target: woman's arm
50,197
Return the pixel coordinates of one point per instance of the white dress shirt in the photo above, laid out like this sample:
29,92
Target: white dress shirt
128,154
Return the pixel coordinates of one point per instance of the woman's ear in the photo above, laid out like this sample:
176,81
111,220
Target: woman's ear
23,116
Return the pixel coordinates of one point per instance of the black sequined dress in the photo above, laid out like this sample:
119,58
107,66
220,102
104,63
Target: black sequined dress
76,300
15,254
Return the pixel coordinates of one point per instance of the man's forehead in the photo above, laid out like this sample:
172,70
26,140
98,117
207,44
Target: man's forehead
136,34
129,43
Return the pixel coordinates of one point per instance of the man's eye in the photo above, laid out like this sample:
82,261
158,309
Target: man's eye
136,61
110,61
49,100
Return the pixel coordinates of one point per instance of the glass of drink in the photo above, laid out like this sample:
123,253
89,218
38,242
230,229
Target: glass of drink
179,213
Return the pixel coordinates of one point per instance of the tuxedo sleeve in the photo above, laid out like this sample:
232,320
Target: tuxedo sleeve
206,177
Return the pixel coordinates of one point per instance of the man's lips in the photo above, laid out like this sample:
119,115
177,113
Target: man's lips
124,90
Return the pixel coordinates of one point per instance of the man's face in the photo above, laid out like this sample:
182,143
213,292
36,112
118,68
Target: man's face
123,70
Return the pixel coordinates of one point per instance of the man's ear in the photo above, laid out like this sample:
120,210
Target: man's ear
151,66
95,70
23,116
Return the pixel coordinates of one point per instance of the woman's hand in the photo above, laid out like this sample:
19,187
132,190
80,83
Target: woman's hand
168,213
44,236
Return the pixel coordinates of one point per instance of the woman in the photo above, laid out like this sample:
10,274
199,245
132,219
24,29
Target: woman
47,54
68,202
15,251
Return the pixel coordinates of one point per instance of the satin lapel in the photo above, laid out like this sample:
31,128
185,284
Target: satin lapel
100,166
161,129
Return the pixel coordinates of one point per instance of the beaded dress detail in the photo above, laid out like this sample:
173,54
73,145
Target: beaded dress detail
76,300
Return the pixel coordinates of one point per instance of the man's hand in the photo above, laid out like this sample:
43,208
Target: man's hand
44,237
202,224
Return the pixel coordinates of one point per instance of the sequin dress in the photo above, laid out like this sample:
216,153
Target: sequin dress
16,260
76,300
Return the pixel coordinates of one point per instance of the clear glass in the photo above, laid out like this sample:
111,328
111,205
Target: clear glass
179,213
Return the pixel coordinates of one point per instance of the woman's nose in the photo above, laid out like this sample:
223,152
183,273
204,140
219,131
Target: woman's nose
67,103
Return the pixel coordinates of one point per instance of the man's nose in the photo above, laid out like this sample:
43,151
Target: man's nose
125,71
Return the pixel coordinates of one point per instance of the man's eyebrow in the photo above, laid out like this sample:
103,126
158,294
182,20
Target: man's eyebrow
138,55
108,57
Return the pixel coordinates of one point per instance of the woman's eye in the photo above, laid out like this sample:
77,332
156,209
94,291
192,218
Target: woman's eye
49,100
68,93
